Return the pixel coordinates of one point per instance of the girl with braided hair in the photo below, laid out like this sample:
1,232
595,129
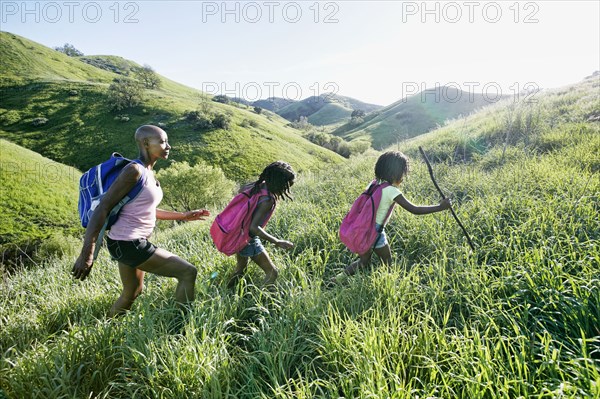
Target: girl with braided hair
276,178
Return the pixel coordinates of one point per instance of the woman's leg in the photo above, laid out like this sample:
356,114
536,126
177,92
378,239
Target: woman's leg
133,284
265,263
164,263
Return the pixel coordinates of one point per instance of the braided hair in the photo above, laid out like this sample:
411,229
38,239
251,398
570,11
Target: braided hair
392,166
279,177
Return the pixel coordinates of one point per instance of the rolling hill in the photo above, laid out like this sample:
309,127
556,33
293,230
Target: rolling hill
39,200
412,116
58,106
325,109
273,104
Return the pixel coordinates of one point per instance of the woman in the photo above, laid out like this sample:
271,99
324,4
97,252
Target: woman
128,238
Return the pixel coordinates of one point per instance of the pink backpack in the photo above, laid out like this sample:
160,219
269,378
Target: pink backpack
230,230
357,230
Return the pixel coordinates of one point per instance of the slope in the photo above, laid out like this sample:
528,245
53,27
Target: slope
39,199
51,107
413,115
325,109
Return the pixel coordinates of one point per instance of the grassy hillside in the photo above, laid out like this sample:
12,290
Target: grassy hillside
519,317
273,104
26,61
412,116
325,109
39,201
70,97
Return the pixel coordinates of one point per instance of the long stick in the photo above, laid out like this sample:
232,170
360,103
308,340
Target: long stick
444,197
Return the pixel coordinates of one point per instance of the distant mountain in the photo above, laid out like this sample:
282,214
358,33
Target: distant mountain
412,116
325,109
59,107
273,104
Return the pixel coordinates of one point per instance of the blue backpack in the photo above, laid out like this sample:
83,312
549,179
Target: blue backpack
93,185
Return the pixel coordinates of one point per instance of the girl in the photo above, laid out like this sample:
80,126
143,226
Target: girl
277,178
392,167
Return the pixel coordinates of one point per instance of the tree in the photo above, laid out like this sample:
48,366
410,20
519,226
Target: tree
302,123
148,77
69,50
258,110
357,117
204,104
221,121
358,113
194,187
124,93
221,98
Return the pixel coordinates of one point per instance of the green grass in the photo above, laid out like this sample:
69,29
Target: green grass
519,317
25,61
39,204
82,131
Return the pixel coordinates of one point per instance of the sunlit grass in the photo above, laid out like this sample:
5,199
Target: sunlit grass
518,317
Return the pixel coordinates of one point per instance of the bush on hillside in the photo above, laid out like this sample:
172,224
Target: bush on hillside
301,123
337,144
124,93
192,187
10,117
148,77
209,120
222,121
69,50
249,123
221,98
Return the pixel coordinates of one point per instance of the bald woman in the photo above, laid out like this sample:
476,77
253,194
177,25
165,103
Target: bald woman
127,239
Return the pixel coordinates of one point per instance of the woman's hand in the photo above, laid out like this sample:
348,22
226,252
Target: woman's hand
198,214
284,244
82,268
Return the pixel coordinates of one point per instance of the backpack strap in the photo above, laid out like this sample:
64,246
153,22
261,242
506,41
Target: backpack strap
379,184
133,193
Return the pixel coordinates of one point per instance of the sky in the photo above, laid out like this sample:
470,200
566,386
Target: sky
375,51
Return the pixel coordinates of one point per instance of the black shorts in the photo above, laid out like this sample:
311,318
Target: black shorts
132,253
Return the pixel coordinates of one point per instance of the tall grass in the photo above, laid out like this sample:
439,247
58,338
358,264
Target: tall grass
519,317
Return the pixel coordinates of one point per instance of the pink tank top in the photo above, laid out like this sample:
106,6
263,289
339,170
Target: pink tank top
138,217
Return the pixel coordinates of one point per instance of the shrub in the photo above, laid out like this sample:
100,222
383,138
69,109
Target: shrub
222,121
249,122
10,117
192,187
301,124
69,50
221,98
124,93
148,77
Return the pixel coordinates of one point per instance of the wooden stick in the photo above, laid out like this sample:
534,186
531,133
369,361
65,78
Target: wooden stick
444,197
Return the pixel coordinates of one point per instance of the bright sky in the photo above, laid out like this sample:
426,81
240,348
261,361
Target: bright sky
374,51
